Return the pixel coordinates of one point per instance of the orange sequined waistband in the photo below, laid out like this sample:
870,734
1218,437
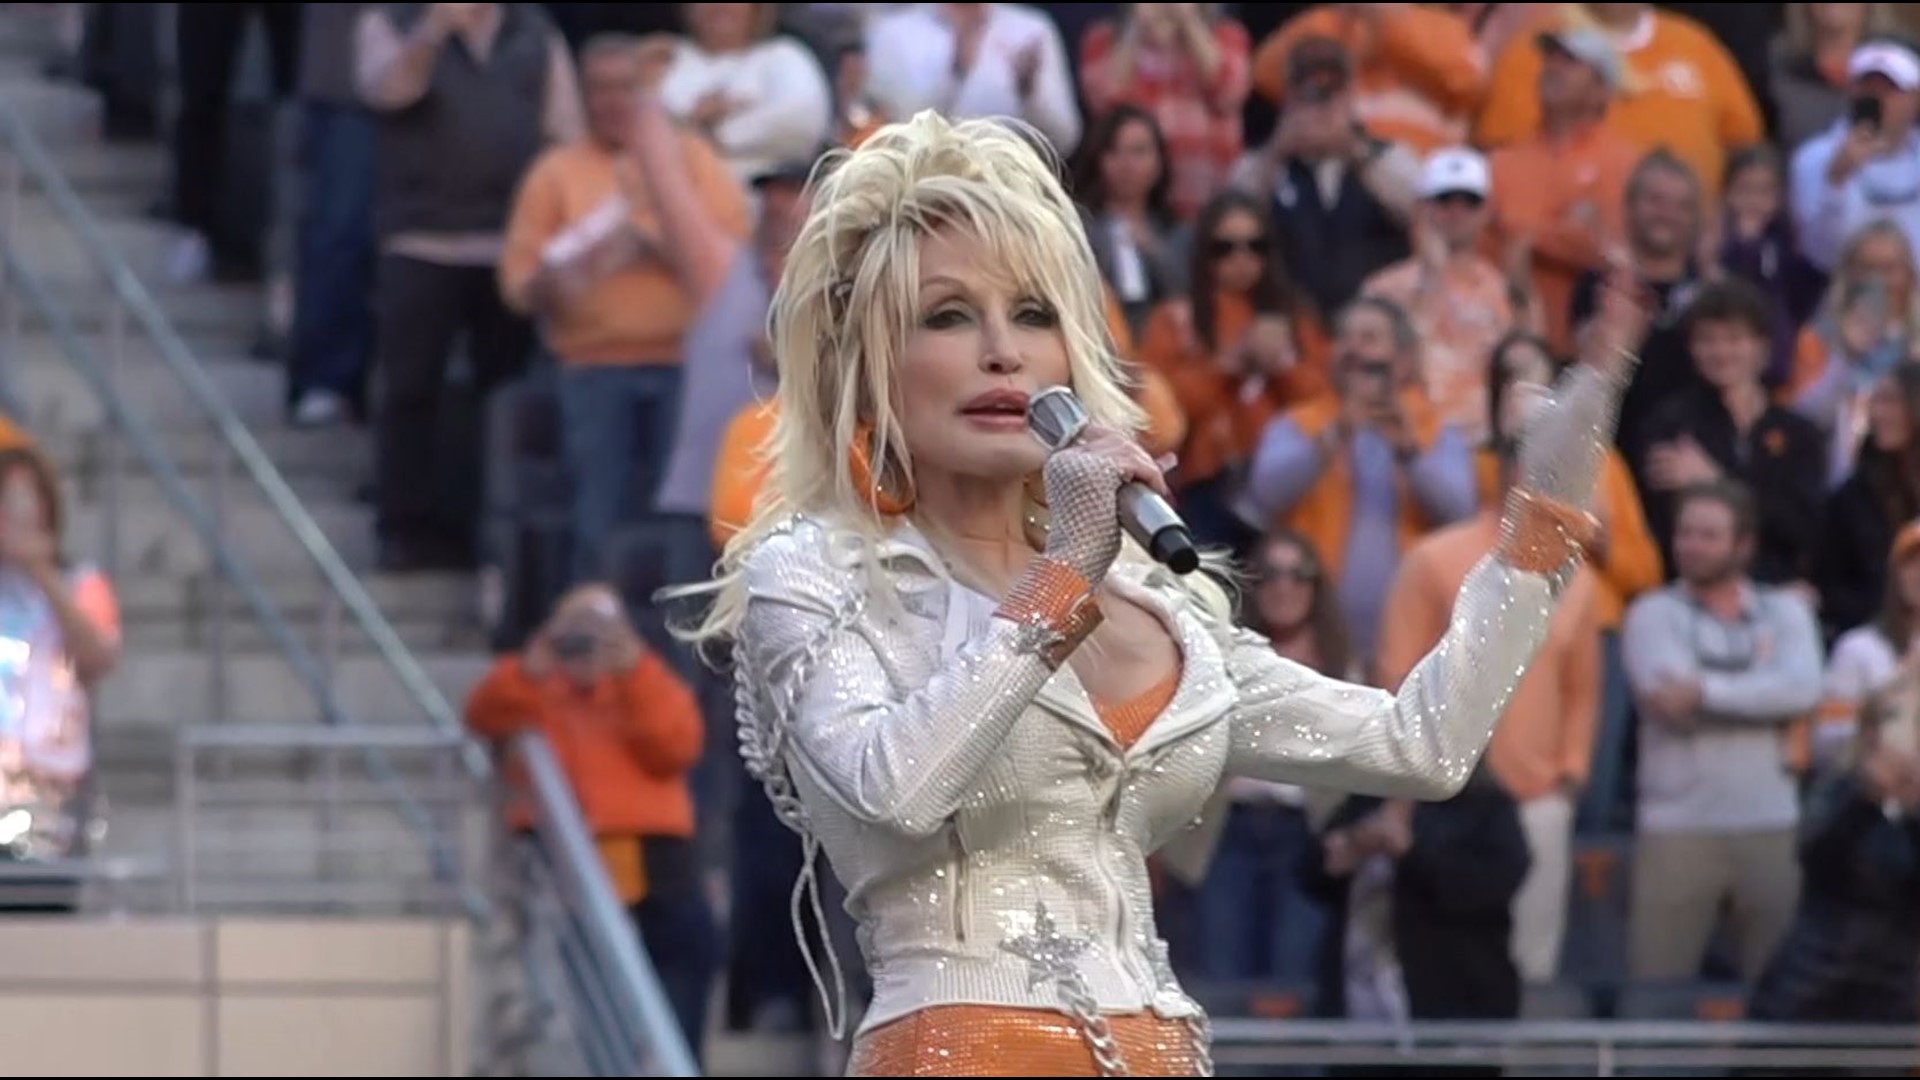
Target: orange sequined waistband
993,1040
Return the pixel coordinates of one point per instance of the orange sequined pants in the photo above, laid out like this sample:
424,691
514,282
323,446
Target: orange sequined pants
988,1040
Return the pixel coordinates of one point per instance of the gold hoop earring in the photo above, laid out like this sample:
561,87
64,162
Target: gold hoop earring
869,482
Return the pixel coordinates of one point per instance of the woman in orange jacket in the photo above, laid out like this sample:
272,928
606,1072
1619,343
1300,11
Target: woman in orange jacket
1237,351
627,732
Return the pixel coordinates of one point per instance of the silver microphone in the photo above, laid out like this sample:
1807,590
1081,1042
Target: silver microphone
1057,418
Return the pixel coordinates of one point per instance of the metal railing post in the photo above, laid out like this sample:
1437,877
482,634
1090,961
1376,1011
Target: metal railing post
217,587
12,306
111,450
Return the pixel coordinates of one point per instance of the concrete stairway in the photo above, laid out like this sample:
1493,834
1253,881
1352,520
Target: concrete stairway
169,591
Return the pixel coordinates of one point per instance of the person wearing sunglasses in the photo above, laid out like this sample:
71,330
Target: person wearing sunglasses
1243,345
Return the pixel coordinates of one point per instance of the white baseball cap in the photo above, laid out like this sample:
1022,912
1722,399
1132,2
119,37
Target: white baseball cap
1591,46
1456,170
1890,60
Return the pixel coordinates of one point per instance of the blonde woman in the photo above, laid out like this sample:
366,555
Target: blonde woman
959,682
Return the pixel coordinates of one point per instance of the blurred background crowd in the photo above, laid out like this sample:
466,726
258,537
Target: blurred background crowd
527,249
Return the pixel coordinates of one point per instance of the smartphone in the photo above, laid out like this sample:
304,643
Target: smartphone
1866,110
574,646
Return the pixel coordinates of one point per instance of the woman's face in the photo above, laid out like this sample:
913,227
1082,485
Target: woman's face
1131,165
980,349
1838,18
1754,193
1238,248
20,495
1888,424
1884,258
1288,578
1907,579
1528,372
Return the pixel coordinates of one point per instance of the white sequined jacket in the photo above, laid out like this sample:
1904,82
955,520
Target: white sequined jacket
991,835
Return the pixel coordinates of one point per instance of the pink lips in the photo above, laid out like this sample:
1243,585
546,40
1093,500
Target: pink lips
997,404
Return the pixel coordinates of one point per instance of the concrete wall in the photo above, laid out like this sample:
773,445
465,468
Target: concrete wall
235,997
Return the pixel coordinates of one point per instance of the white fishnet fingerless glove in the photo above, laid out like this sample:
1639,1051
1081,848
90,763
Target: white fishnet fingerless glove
1083,531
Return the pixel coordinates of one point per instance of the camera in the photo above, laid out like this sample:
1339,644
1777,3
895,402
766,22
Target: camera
574,646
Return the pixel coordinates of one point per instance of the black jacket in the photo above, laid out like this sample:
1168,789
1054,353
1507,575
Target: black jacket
1452,907
1852,953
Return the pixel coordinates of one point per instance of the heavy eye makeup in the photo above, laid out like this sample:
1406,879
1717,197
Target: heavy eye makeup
953,314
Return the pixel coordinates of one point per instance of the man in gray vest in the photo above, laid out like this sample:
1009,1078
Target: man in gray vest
467,96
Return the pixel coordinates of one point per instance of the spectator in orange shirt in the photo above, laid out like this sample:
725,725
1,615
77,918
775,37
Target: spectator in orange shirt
585,254
1365,472
1543,745
627,732
1562,188
1680,89
1418,75
1459,301
1241,347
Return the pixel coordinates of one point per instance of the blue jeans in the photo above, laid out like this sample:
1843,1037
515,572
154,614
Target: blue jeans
619,423
333,301
1255,920
1603,802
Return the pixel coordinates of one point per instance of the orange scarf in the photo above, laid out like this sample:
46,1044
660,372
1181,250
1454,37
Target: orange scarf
1325,514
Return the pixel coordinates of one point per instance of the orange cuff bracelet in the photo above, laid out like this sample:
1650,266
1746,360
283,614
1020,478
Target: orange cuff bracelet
1053,598
1541,536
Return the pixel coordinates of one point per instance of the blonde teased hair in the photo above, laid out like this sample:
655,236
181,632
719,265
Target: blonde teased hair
849,301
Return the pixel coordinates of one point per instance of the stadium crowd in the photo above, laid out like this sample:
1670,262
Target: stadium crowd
1344,245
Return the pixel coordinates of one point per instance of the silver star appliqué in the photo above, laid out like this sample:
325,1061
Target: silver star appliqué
1050,955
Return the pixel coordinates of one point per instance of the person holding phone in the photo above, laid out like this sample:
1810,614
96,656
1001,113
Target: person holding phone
1866,166
59,639
627,732
1366,471
1852,952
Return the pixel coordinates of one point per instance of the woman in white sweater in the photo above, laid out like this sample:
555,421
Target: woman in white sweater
762,98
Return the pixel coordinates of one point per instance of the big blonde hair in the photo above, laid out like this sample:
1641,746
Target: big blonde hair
848,302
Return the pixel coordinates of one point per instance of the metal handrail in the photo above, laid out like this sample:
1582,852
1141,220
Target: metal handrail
305,665
581,880
174,353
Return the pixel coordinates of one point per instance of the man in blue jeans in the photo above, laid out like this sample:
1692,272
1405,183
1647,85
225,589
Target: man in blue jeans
609,246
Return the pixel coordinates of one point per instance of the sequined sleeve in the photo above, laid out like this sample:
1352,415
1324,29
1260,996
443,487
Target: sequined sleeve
1294,725
822,671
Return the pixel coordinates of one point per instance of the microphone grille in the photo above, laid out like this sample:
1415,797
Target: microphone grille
1056,417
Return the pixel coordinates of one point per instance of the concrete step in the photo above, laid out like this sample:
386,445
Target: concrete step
57,397
156,538
61,114
264,854
223,318
429,612
128,177
342,457
55,252
160,689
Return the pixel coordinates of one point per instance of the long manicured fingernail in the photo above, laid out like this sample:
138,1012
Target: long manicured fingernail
1167,462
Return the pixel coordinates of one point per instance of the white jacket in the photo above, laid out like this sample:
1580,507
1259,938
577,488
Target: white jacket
991,834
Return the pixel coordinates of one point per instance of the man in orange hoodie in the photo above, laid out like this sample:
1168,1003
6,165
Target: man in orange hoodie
627,732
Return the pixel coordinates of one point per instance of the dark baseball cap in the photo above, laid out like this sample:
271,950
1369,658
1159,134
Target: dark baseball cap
1318,68
794,171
